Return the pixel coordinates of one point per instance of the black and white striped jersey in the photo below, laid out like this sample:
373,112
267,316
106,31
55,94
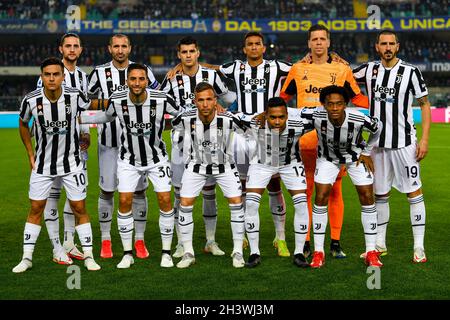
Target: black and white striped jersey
344,144
104,80
275,148
207,148
77,79
72,79
56,131
391,93
256,85
182,86
142,125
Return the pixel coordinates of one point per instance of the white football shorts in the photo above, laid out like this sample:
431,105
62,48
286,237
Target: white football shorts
327,172
107,166
74,183
130,176
229,182
396,168
292,175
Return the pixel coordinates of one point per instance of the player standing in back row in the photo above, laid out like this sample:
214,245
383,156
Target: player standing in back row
306,79
391,85
103,81
143,154
71,49
181,87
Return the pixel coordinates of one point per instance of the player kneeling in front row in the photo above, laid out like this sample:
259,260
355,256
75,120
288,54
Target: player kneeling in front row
54,108
207,152
341,143
277,153
141,113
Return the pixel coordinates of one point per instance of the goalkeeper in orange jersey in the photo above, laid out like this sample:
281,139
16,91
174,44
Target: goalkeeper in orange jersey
306,79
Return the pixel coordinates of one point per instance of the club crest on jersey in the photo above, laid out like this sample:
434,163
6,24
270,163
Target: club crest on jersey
152,112
333,78
219,132
68,109
350,135
267,68
398,78
290,140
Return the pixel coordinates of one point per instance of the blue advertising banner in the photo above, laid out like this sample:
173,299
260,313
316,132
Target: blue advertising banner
208,26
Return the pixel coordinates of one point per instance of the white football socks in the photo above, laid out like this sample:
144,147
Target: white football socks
252,221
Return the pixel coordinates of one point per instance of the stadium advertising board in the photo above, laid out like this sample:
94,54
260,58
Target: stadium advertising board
180,26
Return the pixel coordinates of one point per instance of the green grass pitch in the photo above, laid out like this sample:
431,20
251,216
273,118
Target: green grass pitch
214,277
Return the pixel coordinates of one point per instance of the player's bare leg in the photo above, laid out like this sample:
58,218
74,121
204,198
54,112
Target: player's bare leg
84,231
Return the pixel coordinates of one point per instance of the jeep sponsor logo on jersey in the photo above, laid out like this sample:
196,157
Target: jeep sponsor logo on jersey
312,89
139,125
55,124
118,87
188,96
254,82
384,90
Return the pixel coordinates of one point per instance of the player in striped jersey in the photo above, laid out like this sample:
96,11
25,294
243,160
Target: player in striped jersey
103,81
257,80
57,155
277,152
341,144
70,48
181,87
142,153
305,80
391,85
207,152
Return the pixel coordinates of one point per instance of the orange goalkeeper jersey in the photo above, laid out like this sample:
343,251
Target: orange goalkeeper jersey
307,79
